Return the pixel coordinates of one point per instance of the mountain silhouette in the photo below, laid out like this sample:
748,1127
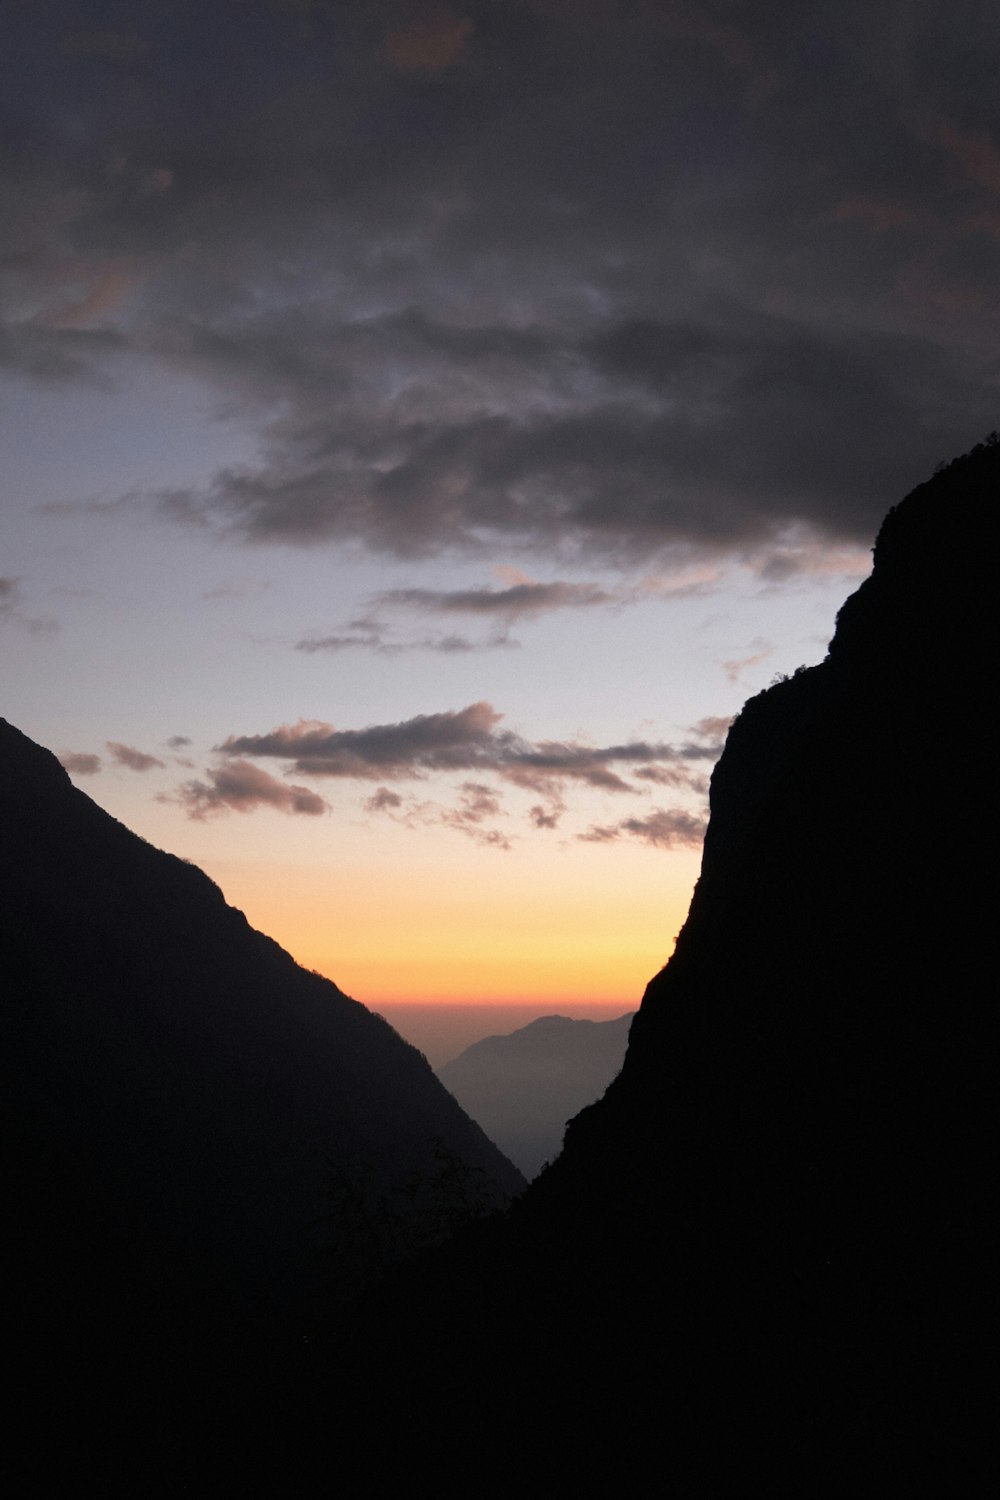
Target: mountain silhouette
763,1261
524,1086
200,1140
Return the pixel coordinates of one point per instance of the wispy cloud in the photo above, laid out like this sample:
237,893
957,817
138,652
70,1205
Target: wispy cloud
517,601
734,668
10,590
80,763
380,640
518,598
466,739
133,759
663,829
238,786
474,740
477,804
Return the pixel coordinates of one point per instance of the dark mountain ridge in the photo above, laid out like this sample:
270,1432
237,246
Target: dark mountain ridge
193,1126
762,1261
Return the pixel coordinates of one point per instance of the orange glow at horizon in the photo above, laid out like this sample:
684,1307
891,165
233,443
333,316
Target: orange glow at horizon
586,938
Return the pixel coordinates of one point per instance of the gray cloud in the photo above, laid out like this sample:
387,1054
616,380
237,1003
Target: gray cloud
663,828
518,601
675,776
714,727
241,787
719,272
547,814
467,739
381,642
472,739
80,763
638,461
384,800
132,759
454,740
477,805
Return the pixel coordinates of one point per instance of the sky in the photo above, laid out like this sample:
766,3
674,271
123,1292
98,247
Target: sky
424,425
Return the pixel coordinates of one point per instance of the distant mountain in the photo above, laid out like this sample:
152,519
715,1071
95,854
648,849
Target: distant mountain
523,1087
197,1135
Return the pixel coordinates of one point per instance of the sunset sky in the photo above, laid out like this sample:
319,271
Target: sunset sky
424,426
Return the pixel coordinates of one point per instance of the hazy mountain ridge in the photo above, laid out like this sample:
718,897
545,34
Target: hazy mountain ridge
522,1087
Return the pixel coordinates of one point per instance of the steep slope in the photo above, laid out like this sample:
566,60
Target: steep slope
524,1086
805,1116
762,1262
195,1130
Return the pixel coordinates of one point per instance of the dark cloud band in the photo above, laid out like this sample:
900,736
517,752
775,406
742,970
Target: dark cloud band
721,273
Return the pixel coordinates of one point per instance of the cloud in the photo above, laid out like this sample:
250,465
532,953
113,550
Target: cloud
522,598
178,741
132,759
468,739
682,582
80,763
736,666
383,800
473,745
669,435
547,814
777,565
454,740
675,776
473,740
518,601
476,805
663,829
241,787
714,727
381,642
9,594
569,277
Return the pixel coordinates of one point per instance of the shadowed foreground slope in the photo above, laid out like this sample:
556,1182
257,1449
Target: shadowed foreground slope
196,1133
764,1260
